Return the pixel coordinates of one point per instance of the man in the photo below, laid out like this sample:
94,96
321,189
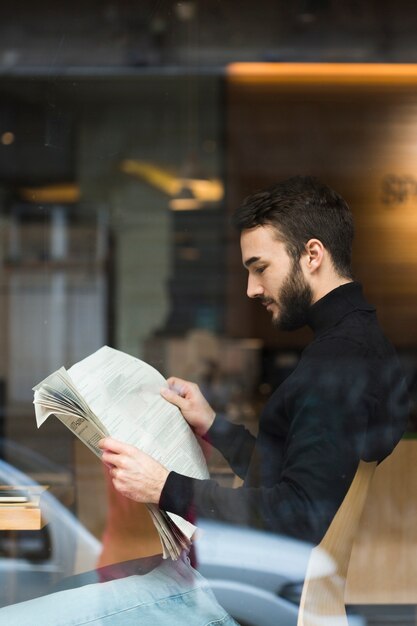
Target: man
345,401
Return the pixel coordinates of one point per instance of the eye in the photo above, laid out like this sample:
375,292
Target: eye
260,269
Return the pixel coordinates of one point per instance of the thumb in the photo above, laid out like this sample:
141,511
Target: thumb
173,397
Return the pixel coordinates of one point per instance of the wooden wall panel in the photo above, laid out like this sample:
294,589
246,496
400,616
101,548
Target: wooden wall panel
360,137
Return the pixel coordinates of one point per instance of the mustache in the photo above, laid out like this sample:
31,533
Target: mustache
266,301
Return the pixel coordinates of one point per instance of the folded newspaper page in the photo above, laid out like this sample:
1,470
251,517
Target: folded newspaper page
113,393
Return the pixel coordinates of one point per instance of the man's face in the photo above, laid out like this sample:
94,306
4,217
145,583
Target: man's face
275,278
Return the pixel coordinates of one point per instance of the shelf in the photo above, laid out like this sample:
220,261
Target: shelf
25,516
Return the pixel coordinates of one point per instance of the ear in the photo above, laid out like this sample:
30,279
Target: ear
313,256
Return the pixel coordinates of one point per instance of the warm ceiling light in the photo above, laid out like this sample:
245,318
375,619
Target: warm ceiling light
184,204
205,190
324,73
7,138
66,193
158,177
185,200
199,190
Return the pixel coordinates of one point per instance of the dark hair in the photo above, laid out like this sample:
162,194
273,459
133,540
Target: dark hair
302,208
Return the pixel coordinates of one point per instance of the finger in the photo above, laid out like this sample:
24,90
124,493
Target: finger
117,447
173,397
112,460
179,385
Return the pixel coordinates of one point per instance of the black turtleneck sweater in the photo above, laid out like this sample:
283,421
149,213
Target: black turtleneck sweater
345,401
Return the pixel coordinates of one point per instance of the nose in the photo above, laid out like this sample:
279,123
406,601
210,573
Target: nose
255,289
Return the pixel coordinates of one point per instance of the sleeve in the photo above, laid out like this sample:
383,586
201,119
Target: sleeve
329,411
234,442
302,504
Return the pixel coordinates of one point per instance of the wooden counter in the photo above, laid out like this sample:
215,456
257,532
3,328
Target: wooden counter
25,516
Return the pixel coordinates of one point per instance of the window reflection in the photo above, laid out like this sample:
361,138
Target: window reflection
115,195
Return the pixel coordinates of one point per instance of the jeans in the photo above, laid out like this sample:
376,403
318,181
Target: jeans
170,594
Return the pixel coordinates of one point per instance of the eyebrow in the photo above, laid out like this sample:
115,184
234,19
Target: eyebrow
250,261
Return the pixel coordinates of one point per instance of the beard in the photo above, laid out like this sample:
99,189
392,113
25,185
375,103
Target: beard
294,301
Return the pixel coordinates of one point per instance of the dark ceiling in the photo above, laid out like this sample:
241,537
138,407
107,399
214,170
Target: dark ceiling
52,37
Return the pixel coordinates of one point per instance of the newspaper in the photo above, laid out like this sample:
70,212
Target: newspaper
113,393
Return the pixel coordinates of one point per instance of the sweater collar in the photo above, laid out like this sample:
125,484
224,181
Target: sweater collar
330,309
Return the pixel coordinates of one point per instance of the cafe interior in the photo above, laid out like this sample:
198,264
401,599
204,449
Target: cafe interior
129,133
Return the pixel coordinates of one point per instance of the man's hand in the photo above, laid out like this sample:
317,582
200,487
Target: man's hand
192,404
135,474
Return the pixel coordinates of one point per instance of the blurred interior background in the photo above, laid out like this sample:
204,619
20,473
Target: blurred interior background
129,131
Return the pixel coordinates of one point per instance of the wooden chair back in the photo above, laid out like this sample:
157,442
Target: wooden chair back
322,598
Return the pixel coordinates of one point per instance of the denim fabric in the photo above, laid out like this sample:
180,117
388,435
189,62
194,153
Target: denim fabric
172,594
